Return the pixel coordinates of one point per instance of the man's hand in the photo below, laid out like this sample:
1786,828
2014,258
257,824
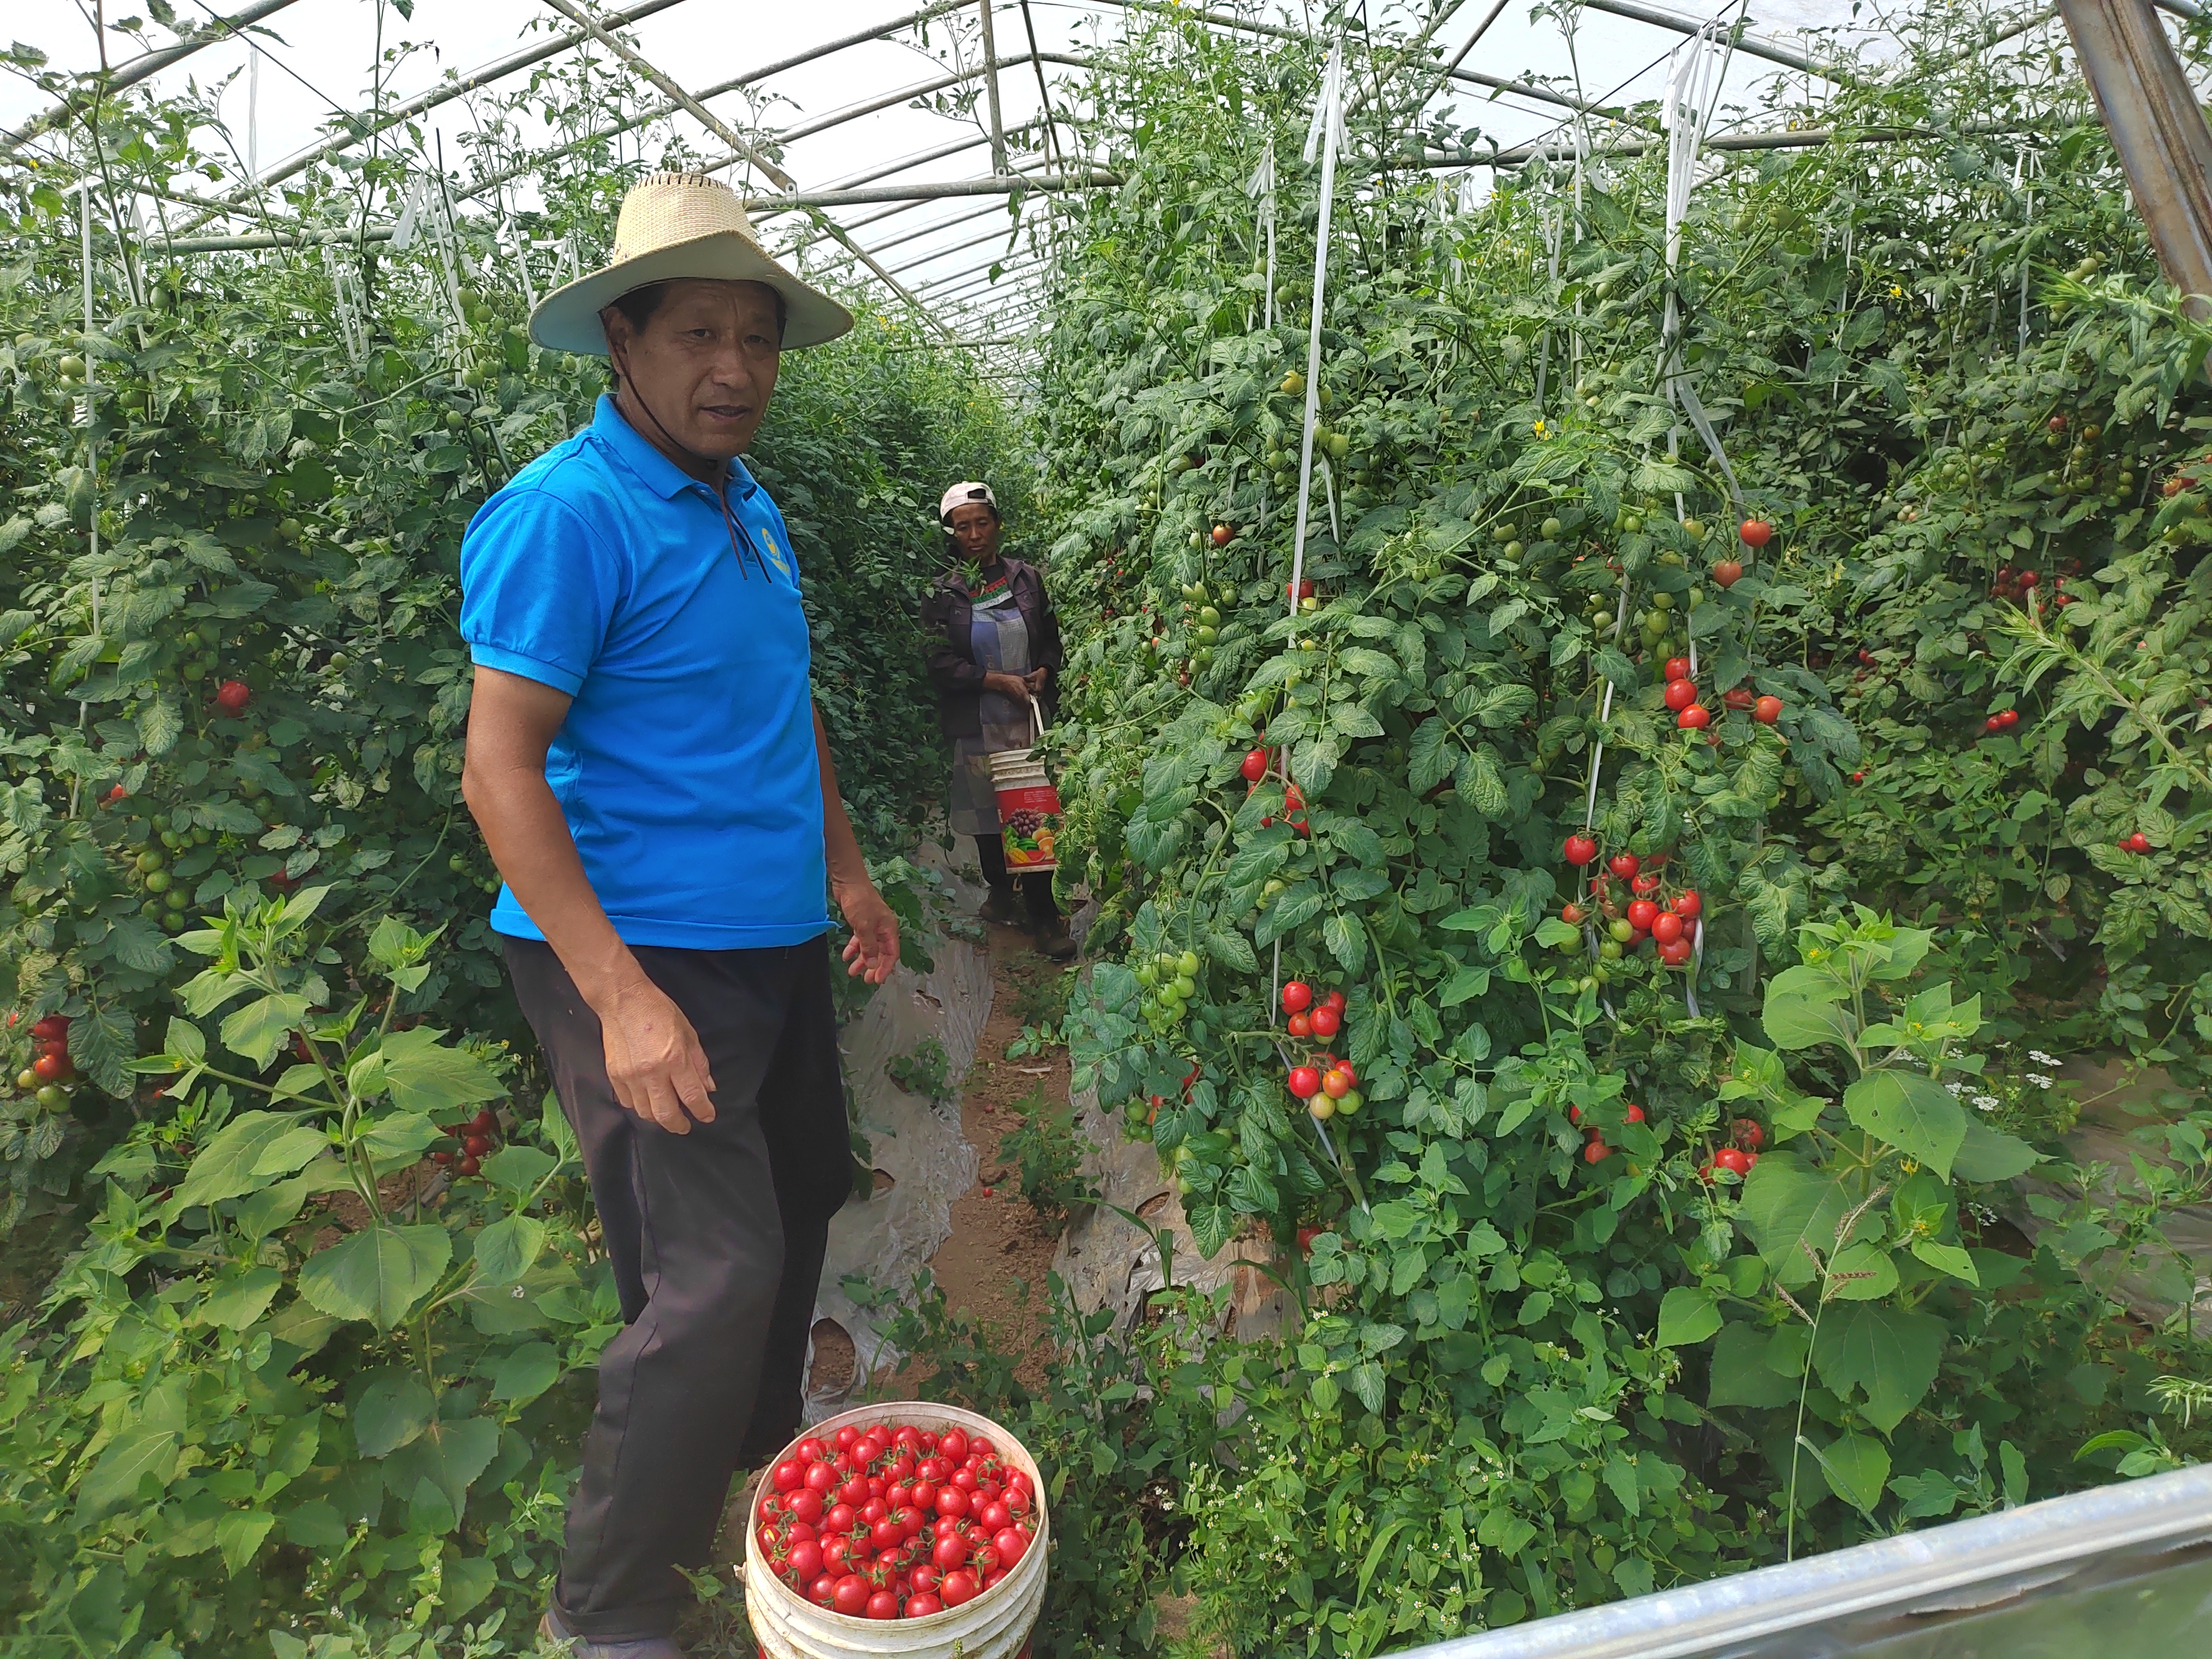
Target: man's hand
654,1057
873,949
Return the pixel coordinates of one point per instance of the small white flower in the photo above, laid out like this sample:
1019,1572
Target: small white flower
1955,1086
1987,1103
2038,1080
2041,1058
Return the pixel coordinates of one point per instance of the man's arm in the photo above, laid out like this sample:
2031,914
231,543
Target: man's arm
655,1058
873,949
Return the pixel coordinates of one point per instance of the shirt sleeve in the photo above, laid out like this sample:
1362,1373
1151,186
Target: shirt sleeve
538,589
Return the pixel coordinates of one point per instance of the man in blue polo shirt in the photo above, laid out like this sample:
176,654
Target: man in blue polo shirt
645,764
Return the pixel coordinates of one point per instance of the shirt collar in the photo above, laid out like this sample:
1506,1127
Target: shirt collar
654,470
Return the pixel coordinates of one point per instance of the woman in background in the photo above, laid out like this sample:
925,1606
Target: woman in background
994,644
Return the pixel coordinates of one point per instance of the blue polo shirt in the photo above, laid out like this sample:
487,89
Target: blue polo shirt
686,766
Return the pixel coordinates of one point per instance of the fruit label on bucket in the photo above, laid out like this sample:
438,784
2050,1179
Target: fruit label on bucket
1029,820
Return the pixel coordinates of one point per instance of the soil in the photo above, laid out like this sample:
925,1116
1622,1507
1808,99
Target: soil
995,1265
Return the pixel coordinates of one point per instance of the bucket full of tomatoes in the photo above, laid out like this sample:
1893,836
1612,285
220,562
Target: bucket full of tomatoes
946,1561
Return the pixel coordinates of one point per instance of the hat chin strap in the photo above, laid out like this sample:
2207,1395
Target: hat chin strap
714,468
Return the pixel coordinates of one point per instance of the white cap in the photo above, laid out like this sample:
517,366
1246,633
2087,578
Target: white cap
961,494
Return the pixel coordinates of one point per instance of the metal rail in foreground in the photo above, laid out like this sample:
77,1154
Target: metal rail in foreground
2128,1568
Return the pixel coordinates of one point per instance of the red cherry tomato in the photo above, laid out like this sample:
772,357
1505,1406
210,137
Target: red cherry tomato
807,1559
1571,915
1580,849
1304,1082
883,1604
1695,718
1596,1153
1666,928
1255,766
1755,533
952,1503
921,1604
233,697
1334,999
1325,1021
1767,710
1624,865
1297,997
1681,694
958,1589
805,1505
788,1475
1336,1082
1728,1157
1647,884
52,1028
468,1166
1727,572
1748,1134
850,1595
1677,668
1635,1113
1011,1546
1642,913
1687,904
1677,954
953,1447
53,1067
1299,1025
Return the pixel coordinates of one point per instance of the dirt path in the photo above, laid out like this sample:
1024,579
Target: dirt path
998,1244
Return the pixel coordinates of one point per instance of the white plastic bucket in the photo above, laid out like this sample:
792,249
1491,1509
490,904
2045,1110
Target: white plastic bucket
1029,806
995,1626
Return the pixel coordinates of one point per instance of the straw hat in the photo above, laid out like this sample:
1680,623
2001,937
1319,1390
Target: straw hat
676,225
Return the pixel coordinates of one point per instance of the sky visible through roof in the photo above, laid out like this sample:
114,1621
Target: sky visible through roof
316,58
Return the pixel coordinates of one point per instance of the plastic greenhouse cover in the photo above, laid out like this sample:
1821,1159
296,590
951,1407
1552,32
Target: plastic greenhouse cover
311,61
2122,1572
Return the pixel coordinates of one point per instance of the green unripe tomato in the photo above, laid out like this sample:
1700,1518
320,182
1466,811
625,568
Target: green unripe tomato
175,900
1208,616
158,882
172,840
1621,930
1188,964
1205,635
1184,988
1148,976
1273,888
1351,1103
1515,549
1609,950
53,1096
202,835
1662,601
148,861
1552,530
27,1080
1587,982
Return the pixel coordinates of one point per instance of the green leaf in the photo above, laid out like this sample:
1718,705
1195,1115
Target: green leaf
426,1076
1741,1374
518,1168
260,1029
1987,1154
260,1214
395,1407
237,1302
526,1373
1857,1467
137,1453
1947,1259
1860,1273
137,945
1688,1315
1804,1009
1913,1112
377,1273
296,1147
398,1138
1888,1355
506,1249
449,1454
1787,1206
226,1167
239,1535
559,1131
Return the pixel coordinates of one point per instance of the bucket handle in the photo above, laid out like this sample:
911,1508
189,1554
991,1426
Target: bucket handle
1036,721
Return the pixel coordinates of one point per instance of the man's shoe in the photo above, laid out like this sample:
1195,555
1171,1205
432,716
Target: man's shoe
553,1628
1001,907
1054,940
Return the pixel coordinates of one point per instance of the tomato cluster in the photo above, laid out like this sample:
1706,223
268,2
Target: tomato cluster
1594,1149
45,1079
1169,979
2003,721
2016,586
1326,1085
477,1137
1651,913
895,1522
1739,1157
1255,768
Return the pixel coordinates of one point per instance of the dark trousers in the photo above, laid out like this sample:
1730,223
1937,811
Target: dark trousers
1037,890
716,1239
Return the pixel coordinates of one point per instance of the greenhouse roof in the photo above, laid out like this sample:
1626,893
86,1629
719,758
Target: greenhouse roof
889,122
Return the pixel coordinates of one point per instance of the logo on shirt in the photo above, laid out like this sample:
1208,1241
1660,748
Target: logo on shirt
776,553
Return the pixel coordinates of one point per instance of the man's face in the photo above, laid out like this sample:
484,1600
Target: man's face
974,528
704,364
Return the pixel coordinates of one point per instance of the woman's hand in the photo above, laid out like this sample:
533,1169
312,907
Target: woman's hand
1006,685
1036,678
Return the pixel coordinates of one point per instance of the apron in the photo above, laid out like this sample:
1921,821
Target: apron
998,639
